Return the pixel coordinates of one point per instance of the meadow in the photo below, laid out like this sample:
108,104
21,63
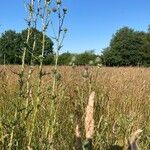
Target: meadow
36,115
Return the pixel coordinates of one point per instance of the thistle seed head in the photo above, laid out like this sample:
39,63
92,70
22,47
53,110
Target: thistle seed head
65,30
65,10
54,9
58,2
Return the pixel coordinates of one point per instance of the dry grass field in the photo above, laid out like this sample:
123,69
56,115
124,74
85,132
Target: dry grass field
42,120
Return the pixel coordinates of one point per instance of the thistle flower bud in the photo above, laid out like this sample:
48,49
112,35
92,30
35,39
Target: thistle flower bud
54,9
65,30
41,57
70,63
73,59
91,62
48,1
99,65
98,60
58,76
85,74
48,11
58,2
54,71
65,10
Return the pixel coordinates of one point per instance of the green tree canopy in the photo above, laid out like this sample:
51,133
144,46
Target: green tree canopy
10,47
12,44
146,49
86,58
65,58
37,36
127,47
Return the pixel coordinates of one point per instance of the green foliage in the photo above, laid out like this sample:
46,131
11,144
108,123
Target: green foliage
146,50
37,36
85,58
10,47
127,48
88,57
12,44
65,58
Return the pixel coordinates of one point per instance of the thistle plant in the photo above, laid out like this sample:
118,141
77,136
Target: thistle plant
44,13
30,10
87,76
58,37
34,18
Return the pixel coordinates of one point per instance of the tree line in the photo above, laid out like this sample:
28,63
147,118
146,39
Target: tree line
12,44
127,48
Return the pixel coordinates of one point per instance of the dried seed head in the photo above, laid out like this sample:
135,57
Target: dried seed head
65,10
89,120
65,30
99,65
48,0
58,2
85,74
54,9
58,76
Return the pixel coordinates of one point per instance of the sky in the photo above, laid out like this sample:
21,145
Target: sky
90,23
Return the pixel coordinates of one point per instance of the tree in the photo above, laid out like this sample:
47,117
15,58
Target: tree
86,57
125,48
65,58
12,44
10,49
37,36
146,49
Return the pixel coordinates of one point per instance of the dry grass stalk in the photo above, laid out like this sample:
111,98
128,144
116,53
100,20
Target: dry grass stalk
132,142
78,145
77,131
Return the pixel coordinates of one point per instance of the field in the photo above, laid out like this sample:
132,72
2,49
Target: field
35,115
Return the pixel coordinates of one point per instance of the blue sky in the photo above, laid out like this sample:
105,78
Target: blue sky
91,23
